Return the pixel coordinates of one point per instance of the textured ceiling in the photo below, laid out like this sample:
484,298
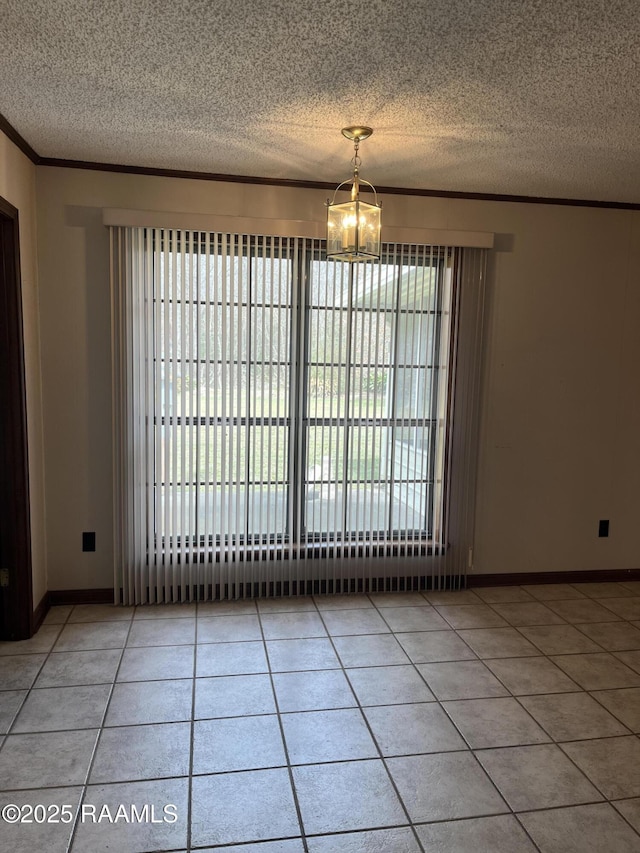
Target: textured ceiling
534,98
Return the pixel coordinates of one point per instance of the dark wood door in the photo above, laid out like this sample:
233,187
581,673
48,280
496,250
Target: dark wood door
16,604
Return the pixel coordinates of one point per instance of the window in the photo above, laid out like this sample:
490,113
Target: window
222,356
278,407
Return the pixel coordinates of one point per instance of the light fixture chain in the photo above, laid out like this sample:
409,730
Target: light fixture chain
356,157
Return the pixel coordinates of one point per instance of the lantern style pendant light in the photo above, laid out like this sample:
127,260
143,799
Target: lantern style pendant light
353,227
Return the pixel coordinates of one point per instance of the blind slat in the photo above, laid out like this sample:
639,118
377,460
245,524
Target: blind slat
287,424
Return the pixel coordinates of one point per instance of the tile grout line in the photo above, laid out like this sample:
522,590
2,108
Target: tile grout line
85,786
517,746
582,691
32,687
189,815
558,744
344,671
285,747
469,750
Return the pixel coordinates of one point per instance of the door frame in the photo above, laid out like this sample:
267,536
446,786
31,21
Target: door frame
16,599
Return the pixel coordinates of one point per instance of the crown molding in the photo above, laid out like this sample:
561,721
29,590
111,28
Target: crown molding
325,185
185,174
11,133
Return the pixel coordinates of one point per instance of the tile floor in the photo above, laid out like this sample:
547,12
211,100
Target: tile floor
500,720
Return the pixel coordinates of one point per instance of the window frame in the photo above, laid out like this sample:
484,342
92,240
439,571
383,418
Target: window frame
302,253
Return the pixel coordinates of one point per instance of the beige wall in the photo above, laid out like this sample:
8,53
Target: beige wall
559,444
18,186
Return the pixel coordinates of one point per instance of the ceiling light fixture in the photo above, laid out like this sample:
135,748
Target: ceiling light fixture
353,227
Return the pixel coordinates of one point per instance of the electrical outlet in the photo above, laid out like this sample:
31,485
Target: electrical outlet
603,528
89,540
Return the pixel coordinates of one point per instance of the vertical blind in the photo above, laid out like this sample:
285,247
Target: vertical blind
284,424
